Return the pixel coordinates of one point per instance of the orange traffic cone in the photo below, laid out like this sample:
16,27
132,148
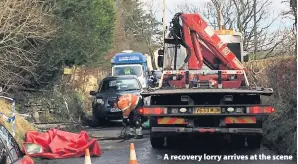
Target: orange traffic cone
133,156
87,157
26,160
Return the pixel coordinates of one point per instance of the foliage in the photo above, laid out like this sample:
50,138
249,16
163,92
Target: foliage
84,37
281,75
37,38
26,26
139,25
54,33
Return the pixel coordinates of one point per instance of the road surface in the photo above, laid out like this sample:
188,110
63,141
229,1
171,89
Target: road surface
117,151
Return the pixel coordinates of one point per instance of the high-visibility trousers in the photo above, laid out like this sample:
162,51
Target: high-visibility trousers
127,103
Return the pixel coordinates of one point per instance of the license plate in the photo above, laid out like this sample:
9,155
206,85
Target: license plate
115,110
207,110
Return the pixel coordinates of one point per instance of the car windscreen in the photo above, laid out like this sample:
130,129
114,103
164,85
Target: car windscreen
128,70
117,85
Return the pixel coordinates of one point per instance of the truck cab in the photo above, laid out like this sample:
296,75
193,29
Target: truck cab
135,62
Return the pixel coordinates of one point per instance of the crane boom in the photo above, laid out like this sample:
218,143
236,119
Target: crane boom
203,44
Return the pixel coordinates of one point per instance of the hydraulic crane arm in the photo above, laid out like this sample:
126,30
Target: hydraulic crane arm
203,45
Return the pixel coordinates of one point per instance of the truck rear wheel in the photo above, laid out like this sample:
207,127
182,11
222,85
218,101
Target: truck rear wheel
157,142
237,141
171,142
254,142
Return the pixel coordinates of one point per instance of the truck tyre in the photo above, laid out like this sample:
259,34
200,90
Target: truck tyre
171,142
254,142
237,141
157,142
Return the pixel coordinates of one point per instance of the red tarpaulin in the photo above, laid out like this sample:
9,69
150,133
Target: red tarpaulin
61,144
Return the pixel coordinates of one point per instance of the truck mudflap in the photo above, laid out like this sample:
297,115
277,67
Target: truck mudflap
206,130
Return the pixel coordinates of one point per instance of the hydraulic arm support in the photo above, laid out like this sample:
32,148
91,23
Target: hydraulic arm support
203,44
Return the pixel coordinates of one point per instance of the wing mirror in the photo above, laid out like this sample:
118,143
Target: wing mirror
245,58
92,93
160,58
160,61
161,52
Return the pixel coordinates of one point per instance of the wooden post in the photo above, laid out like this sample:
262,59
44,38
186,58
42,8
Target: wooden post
219,17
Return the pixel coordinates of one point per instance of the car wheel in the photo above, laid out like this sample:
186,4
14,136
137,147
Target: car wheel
94,121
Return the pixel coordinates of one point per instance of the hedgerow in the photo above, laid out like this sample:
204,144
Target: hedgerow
281,75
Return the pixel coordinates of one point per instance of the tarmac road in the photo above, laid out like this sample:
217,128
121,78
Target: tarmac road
117,151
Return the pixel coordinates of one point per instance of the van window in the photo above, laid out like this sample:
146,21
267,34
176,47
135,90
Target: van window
132,70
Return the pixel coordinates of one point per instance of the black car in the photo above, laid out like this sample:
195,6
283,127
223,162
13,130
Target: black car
103,105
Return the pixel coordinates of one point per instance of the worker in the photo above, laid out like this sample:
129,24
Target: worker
127,71
128,104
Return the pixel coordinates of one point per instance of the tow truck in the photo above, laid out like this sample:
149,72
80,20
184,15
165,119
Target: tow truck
209,92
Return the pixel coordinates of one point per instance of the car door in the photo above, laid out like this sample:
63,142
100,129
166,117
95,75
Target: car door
10,152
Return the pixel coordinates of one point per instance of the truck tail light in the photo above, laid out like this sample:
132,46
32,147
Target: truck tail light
152,111
260,109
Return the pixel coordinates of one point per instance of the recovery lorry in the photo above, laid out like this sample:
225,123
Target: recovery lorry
192,100
137,62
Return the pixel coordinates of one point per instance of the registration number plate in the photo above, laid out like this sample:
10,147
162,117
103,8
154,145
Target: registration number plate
115,110
207,110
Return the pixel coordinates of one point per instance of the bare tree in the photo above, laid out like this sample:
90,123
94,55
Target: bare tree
285,44
292,12
25,26
119,32
293,4
240,15
142,27
211,10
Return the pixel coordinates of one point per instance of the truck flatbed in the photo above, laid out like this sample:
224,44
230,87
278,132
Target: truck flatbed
262,91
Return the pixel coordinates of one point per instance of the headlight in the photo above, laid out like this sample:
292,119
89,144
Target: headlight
99,101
